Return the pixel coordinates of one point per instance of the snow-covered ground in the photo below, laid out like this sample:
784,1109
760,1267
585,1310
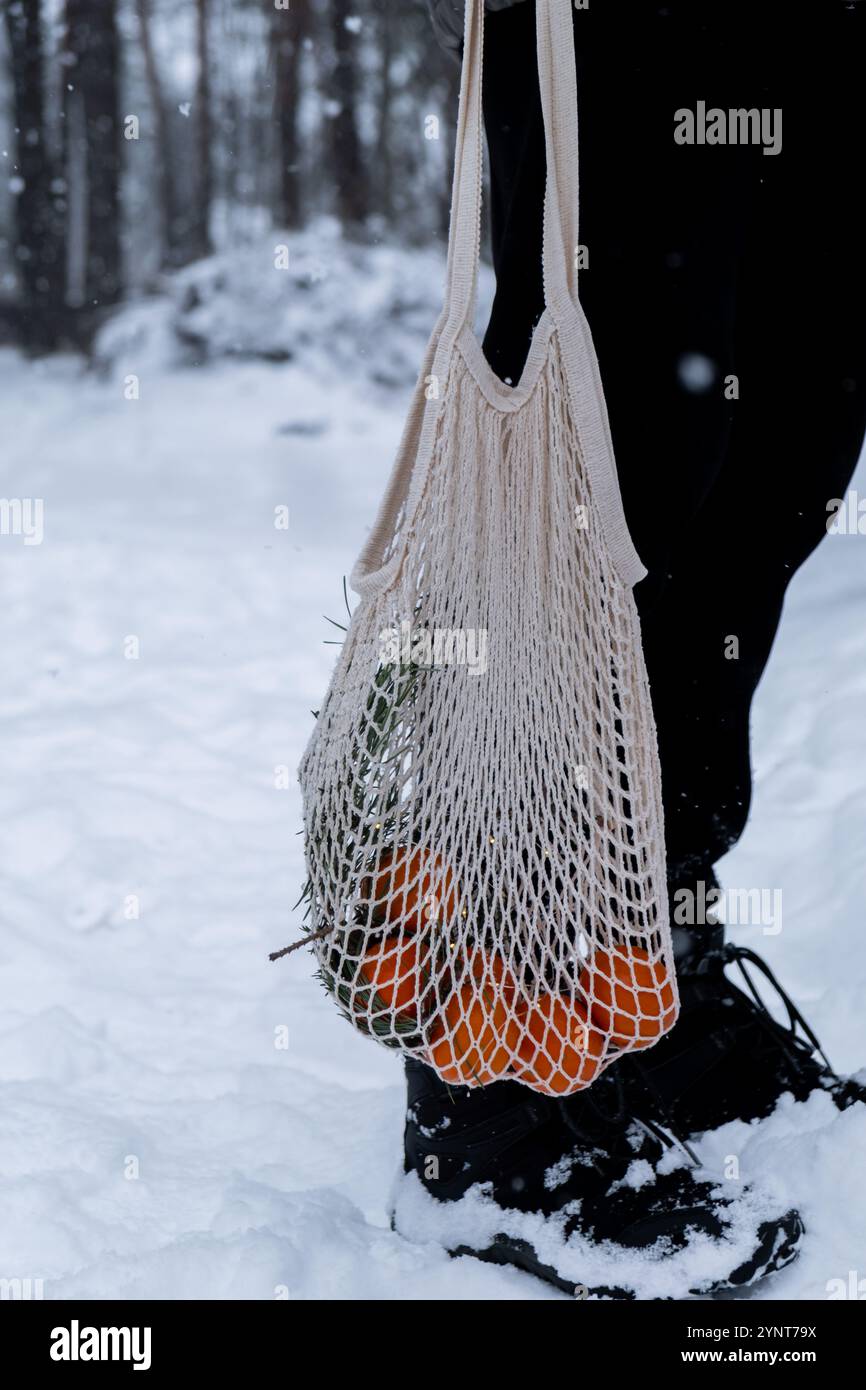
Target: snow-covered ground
179,1117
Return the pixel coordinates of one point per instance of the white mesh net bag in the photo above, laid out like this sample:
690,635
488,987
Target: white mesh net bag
482,806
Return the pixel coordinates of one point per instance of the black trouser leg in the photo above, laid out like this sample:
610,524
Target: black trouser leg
704,263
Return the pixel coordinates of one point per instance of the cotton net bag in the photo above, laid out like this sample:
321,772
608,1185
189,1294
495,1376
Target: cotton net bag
482,811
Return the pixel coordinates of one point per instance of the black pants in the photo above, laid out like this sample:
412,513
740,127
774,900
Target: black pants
704,263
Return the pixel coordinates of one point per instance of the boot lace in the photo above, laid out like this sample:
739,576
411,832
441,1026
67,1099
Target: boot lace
792,1044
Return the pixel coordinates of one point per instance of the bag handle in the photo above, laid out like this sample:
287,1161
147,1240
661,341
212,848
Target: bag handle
558,85
557,78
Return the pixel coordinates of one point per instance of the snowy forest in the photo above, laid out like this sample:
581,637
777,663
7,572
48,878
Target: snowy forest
223,229
142,135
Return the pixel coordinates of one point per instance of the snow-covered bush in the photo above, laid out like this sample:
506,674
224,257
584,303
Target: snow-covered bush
325,304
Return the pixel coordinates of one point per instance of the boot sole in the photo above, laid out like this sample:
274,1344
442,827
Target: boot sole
778,1245
520,1255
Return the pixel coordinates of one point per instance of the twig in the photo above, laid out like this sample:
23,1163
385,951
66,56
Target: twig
305,941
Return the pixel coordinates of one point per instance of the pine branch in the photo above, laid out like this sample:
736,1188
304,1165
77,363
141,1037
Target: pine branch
304,941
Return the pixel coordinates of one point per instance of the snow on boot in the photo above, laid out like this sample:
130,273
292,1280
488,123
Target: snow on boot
577,1193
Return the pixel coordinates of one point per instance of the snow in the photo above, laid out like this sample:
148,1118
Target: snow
349,313
180,1117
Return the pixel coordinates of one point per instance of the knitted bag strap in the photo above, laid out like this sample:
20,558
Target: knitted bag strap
379,562
558,84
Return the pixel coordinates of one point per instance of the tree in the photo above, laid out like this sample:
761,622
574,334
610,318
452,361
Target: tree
349,169
93,153
387,22
200,223
171,213
38,236
286,40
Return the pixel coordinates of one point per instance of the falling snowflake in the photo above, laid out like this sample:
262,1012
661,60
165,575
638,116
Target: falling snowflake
696,372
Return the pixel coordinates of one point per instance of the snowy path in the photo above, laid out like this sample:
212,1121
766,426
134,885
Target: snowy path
154,1137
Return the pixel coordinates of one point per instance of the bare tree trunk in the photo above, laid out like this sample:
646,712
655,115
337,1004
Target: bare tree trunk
92,54
388,21
201,244
38,219
171,217
350,177
287,35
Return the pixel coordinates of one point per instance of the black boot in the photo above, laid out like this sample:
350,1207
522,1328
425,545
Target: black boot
727,1058
583,1161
